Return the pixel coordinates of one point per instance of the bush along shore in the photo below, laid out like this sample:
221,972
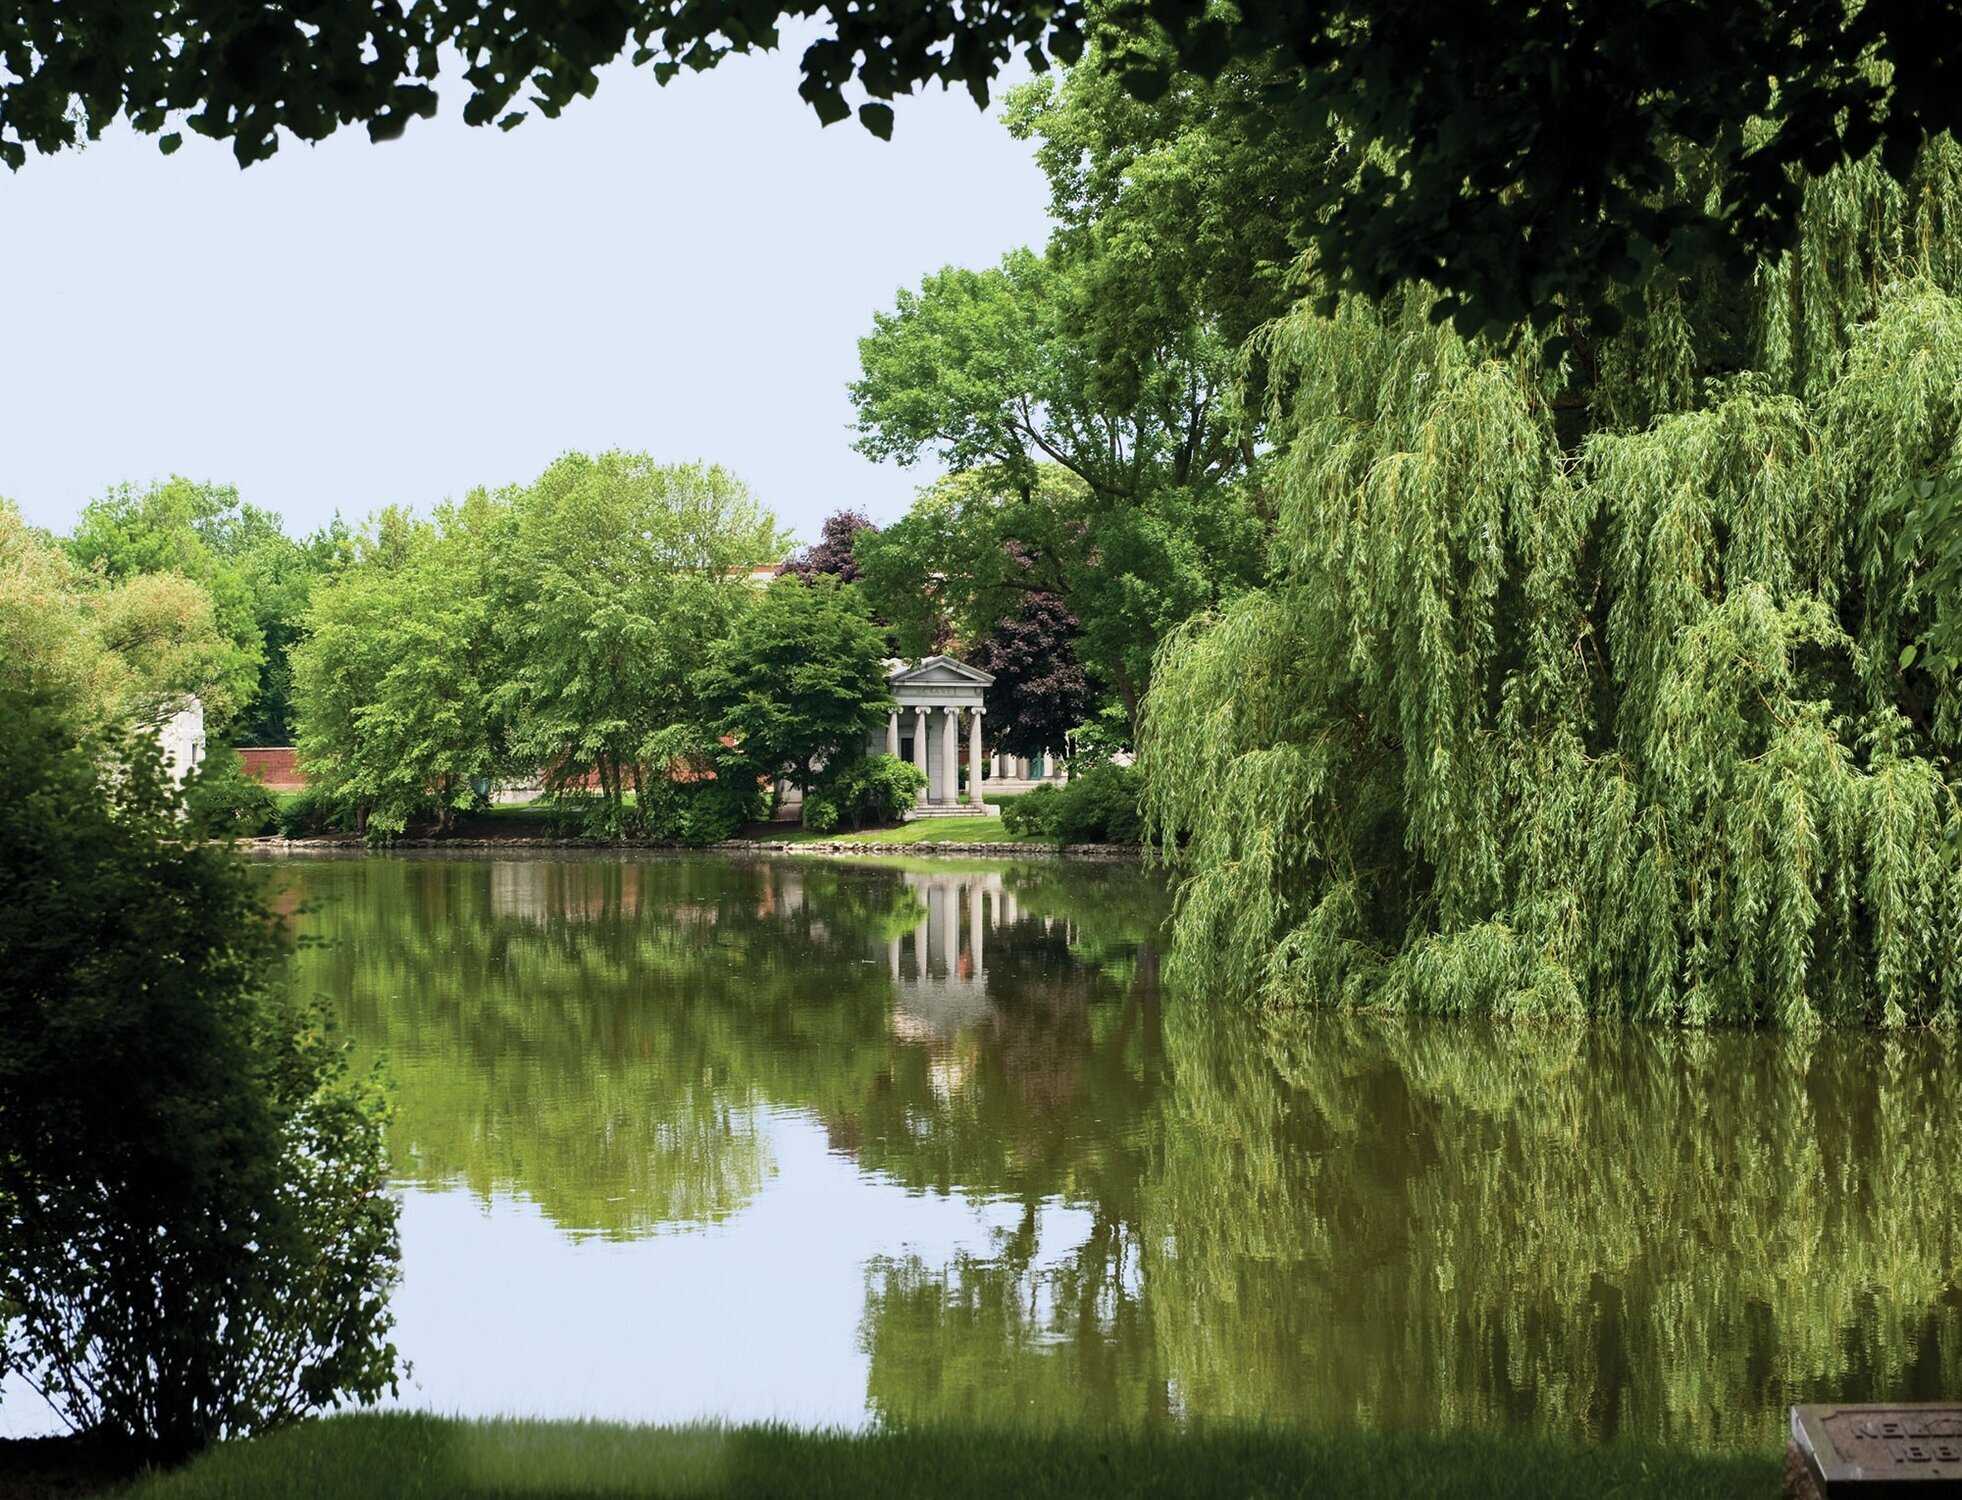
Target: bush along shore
1095,815
446,1459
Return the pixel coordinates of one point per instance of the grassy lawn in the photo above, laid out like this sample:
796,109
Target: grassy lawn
969,830
430,1458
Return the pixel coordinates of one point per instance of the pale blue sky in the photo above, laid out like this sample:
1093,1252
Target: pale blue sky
684,270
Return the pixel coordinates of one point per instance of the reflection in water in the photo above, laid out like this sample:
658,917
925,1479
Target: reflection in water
938,1123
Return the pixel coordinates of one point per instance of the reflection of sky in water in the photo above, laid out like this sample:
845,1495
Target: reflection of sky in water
756,1318
752,1319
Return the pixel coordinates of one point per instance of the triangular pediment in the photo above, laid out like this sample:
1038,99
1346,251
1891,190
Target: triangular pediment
939,671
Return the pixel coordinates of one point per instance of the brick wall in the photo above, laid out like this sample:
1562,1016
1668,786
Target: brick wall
274,766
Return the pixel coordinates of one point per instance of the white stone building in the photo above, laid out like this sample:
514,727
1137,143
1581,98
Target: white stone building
181,738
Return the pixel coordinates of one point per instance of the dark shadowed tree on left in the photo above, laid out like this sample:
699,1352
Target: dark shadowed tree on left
197,1240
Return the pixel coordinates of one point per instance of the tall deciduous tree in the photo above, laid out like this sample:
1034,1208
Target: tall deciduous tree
1123,487
396,683
1588,687
259,580
800,681
173,528
1039,695
625,573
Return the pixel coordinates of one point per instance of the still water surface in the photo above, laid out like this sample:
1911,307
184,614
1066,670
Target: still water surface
841,1142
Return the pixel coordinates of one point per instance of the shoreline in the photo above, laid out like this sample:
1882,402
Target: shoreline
964,848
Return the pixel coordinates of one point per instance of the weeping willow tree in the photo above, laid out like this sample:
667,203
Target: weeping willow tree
1590,684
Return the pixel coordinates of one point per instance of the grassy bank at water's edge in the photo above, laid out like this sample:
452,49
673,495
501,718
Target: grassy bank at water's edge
955,830
432,1458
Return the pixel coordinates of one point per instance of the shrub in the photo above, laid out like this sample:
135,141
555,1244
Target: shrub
872,789
1099,807
308,811
196,1237
703,811
222,799
820,813
1033,814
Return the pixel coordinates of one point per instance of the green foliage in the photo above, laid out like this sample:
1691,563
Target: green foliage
1614,718
1513,156
1098,805
1089,398
117,652
700,811
258,578
551,630
196,1237
395,682
170,529
226,801
870,789
800,681
621,575
309,811
1036,812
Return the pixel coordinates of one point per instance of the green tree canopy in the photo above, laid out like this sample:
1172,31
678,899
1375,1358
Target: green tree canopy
623,575
551,629
1519,158
800,681
259,580
117,653
171,528
396,681
974,549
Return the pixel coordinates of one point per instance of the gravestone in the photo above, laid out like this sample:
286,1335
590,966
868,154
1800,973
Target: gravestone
1906,1449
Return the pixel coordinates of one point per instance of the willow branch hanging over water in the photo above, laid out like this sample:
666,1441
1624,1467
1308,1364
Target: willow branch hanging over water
1591,688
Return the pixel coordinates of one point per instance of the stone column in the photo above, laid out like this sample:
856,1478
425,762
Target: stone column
920,945
892,734
1021,768
995,761
950,756
950,929
975,925
919,752
974,756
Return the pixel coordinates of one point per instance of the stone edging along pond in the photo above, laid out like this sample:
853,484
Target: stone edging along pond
728,846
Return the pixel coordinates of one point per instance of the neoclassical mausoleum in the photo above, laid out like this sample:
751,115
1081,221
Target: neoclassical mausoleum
942,705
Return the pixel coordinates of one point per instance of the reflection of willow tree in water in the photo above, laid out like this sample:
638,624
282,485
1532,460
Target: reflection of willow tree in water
1591,1231
589,1032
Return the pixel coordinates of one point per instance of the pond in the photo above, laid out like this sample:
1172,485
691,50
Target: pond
836,1142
